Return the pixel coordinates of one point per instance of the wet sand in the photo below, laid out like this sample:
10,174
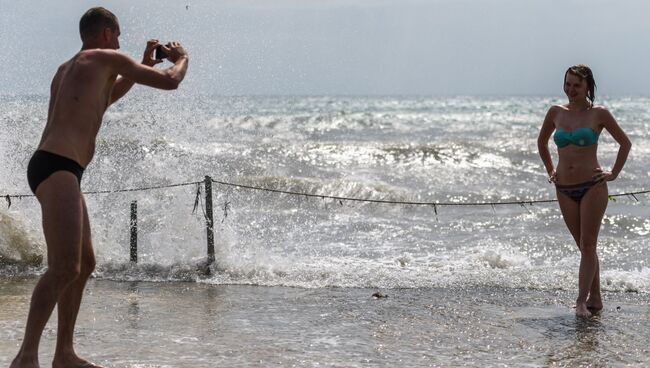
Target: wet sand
141,324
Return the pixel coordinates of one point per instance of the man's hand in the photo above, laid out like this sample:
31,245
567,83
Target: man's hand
174,51
148,58
134,72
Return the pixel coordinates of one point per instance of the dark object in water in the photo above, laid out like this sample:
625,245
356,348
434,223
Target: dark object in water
379,295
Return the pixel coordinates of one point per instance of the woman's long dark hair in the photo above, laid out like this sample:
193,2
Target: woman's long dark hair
584,73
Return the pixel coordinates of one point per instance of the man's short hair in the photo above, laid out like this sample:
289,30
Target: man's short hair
94,21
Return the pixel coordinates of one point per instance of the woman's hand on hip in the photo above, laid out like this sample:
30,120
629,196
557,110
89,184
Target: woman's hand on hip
602,176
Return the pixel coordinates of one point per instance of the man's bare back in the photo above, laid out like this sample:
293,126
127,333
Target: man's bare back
80,93
79,96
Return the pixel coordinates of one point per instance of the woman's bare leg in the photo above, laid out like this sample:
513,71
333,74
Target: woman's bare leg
592,210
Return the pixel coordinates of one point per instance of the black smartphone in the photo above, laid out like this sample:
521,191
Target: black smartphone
160,53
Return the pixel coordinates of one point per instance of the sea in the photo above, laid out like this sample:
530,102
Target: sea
349,231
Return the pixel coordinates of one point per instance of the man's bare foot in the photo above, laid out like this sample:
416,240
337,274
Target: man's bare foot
19,362
82,365
73,362
582,310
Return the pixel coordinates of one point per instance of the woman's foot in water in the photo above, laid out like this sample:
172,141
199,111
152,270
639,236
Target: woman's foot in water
594,304
582,310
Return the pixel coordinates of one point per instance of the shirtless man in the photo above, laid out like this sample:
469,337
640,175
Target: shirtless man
82,88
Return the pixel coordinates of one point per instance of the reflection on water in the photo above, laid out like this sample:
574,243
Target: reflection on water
133,310
576,341
582,344
587,331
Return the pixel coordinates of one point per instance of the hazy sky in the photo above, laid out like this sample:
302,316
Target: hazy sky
351,47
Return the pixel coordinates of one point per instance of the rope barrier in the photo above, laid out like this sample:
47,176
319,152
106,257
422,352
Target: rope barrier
141,189
144,188
8,197
208,215
381,201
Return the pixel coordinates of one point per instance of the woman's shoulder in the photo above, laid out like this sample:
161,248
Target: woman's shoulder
601,111
559,107
556,109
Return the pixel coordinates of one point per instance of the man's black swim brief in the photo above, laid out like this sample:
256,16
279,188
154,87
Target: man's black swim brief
43,164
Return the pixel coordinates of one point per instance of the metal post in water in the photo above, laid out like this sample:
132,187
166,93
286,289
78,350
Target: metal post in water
134,232
209,222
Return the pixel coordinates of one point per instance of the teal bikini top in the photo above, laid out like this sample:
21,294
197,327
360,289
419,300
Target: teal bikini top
579,136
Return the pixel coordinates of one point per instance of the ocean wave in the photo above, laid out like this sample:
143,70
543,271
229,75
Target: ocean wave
18,247
498,267
332,187
495,271
457,149
177,272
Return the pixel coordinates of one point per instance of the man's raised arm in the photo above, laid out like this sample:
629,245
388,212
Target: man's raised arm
123,85
133,72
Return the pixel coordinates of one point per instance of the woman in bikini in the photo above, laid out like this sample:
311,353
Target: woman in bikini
580,181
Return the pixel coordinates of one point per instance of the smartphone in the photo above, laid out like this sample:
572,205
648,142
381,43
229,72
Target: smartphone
160,53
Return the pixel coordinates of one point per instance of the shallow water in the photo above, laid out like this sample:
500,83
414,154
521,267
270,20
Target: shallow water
140,324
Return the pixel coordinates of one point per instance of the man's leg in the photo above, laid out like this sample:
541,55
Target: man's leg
62,210
70,300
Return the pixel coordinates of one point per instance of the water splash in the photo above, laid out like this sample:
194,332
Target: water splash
17,245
